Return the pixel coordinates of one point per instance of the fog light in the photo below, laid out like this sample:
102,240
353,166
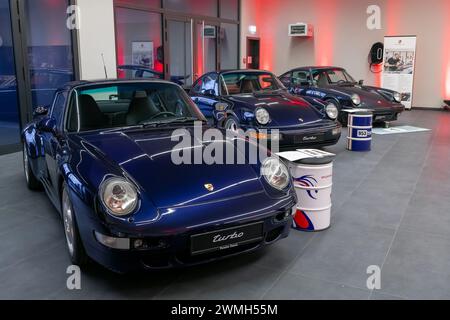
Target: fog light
113,243
336,131
138,243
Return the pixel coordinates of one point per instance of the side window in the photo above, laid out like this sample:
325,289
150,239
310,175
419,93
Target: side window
196,89
286,79
301,78
207,83
72,121
58,107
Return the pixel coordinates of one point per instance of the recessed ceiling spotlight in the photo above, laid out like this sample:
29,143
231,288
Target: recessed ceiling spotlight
252,29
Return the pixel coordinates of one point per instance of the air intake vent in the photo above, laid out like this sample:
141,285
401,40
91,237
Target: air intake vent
301,30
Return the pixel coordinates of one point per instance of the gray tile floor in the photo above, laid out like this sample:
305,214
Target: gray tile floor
391,209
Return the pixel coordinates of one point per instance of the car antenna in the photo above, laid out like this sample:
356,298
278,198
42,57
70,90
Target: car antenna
104,66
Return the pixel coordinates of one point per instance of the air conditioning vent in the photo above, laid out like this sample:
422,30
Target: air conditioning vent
301,30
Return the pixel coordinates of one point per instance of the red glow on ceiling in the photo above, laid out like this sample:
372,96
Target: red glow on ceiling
394,8
325,25
265,30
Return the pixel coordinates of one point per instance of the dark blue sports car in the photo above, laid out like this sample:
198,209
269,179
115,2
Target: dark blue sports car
256,101
103,153
335,85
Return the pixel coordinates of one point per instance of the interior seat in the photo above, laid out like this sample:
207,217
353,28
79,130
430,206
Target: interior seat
91,117
322,81
141,109
247,86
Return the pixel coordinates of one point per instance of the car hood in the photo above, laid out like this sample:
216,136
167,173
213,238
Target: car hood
284,109
146,157
369,98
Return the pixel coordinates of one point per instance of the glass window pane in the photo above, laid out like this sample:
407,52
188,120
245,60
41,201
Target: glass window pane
229,46
9,110
50,55
139,44
229,9
201,7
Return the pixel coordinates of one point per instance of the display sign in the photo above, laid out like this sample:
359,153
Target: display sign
399,64
209,32
142,54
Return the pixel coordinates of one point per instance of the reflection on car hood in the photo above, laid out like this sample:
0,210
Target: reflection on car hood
146,155
369,98
284,109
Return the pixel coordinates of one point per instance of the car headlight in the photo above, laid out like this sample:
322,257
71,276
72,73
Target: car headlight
397,97
262,116
356,99
332,111
276,173
119,196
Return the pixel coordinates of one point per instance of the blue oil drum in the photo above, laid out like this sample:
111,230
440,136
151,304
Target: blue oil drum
360,131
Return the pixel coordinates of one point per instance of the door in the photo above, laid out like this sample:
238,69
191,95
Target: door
179,41
9,102
206,47
253,49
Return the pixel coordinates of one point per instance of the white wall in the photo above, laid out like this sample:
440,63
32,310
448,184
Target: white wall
97,37
342,38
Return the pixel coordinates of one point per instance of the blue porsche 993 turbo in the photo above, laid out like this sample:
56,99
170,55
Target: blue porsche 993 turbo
102,152
254,100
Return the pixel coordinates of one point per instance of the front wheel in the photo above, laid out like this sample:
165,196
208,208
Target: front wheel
231,124
32,182
74,245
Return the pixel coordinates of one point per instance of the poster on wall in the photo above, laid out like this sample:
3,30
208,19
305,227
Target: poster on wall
142,54
399,63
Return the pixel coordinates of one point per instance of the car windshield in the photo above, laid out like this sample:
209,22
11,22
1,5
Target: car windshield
332,76
235,83
120,105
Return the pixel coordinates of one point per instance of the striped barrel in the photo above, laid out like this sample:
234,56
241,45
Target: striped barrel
313,181
360,131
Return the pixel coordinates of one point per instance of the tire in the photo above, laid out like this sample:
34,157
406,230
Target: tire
32,182
232,124
75,246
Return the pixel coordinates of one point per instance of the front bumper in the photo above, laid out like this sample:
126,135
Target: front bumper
388,114
307,137
173,250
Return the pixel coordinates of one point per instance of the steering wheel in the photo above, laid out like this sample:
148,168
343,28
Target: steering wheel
159,115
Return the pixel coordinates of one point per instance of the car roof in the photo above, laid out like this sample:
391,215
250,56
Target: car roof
317,68
75,84
242,71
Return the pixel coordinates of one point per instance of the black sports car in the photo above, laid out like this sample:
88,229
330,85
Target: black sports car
256,101
335,85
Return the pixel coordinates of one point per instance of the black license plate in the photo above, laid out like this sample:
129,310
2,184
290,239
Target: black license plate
226,238
309,138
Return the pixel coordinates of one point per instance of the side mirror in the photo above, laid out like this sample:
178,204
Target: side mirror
361,82
40,111
47,125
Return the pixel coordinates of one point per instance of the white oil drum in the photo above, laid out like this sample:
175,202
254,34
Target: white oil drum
313,181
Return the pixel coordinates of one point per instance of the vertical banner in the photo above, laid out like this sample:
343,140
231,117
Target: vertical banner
399,63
